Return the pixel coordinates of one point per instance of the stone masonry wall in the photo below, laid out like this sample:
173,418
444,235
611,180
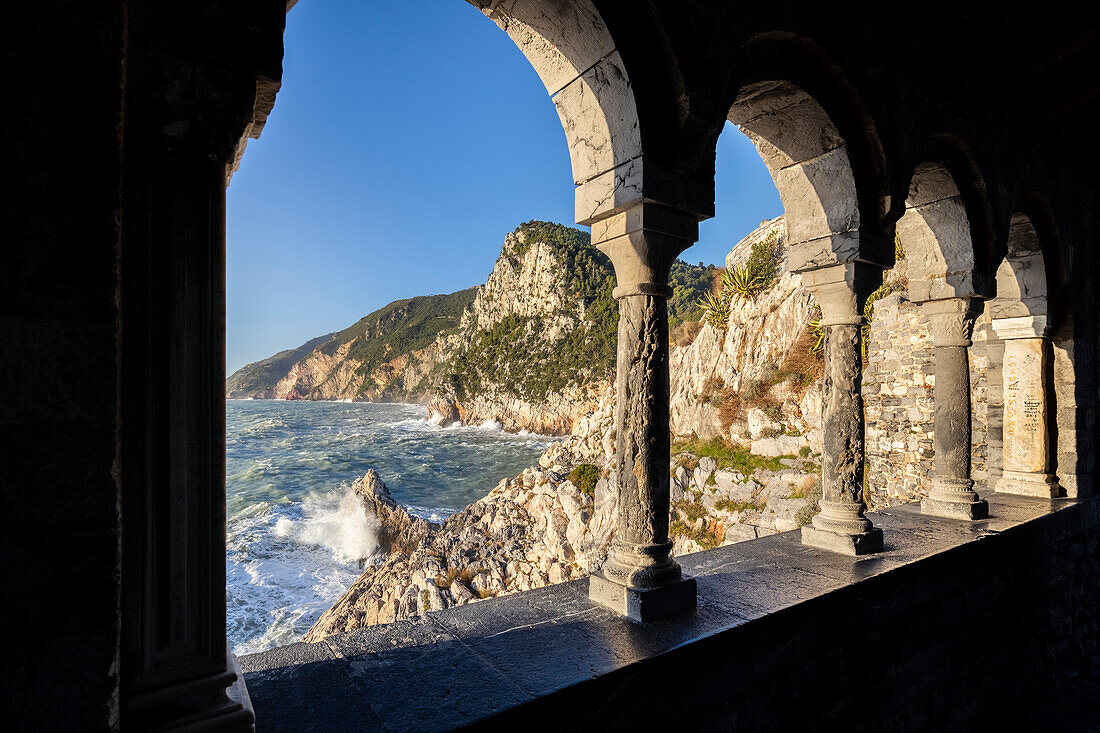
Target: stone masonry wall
897,398
898,380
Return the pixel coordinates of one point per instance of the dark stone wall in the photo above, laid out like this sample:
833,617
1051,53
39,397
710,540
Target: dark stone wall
61,147
998,634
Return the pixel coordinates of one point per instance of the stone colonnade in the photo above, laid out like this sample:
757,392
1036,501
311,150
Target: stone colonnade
952,492
842,526
639,578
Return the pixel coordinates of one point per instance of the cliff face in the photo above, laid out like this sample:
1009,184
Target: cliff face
387,355
533,348
754,380
260,378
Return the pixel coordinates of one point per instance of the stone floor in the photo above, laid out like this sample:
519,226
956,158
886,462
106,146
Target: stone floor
456,667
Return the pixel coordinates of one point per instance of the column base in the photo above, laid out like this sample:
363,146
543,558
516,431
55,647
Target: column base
938,506
643,604
1042,485
864,543
217,703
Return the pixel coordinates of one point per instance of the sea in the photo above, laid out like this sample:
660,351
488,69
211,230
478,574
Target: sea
295,531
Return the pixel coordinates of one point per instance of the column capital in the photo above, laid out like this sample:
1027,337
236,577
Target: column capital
642,243
952,320
1022,327
840,291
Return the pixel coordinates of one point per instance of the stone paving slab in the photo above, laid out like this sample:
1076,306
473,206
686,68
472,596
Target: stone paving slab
525,637
419,677
306,685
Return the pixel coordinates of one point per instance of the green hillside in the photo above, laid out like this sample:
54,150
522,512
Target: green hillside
253,379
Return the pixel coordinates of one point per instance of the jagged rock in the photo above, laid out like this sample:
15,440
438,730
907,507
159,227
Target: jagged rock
443,411
760,424
399,531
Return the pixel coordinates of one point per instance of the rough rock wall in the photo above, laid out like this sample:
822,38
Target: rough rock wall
532,287
897,400
761,332
739,255
322,376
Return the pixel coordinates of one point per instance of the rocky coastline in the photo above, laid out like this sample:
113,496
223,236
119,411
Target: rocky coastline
554,522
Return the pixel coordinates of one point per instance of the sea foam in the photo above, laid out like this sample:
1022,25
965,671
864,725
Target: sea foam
336,520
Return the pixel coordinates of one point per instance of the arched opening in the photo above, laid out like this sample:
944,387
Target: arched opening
1028,395
571,50
754,373
936,233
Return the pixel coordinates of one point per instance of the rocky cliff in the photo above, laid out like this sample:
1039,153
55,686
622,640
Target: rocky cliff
754,381
533,348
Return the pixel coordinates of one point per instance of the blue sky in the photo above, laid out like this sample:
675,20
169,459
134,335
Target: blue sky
402,148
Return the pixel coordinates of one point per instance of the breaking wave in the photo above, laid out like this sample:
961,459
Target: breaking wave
337,521
295,530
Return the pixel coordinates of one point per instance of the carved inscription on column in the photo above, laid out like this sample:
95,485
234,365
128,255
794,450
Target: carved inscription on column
1025,429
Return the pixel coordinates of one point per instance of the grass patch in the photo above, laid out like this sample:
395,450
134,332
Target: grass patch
692,511
728,456
728,505
584,477
707,539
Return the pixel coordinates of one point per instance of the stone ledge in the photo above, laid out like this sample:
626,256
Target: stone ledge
768,611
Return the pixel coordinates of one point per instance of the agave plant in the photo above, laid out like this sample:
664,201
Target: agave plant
741,282
717,310
819,337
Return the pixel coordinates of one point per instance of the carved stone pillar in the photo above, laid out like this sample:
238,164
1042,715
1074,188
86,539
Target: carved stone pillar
1026,434
175,668
841,525
952,492
640,580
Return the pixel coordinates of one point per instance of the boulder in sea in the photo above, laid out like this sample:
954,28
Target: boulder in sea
399,531
443,410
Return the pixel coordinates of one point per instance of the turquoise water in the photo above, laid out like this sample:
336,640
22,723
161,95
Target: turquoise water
295,530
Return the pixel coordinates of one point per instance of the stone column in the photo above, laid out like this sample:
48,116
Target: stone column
952,492
640,580
841,525
1026,434
175,669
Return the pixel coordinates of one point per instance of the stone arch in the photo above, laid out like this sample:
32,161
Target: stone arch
1022,278
820,146
572,50
938,237
806,157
